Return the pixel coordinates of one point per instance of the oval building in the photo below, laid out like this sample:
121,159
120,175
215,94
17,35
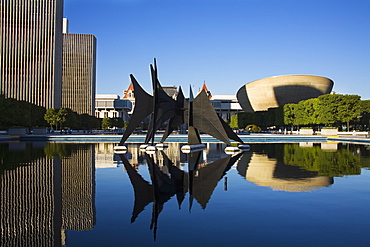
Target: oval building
276,91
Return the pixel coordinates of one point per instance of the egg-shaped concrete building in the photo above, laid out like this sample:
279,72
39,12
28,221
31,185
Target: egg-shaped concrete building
276,91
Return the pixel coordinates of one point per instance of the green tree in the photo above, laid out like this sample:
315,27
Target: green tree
337,108
62,116
244,118
234,123
364,119
365,105
20,113
350,109
290,114
88,122
306,112
274,116
51,117
125,124
117,122
106,123
331,164
72,119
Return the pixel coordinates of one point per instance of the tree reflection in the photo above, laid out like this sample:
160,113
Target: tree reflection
327,163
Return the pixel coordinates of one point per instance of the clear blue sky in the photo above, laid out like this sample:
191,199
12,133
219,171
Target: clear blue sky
227,43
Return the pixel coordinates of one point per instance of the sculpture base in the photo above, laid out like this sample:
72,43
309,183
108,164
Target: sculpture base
244,147
193,148
161,146
143,147
120,149
151,149
232,150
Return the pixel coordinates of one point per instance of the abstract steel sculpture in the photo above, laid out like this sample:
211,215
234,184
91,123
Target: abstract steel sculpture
198,114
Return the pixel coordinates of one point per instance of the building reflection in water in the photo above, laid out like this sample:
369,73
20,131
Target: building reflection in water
48,188
78,189
265,171
45,190
283,167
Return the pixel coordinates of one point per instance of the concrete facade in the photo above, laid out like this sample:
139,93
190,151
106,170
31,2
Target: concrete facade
276,91
110,105
226,105
31,51
79,73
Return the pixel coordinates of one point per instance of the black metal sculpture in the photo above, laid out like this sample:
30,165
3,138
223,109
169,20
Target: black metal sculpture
164,107
198,113
143,108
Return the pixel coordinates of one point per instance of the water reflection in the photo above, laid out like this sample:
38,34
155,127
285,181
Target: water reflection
46,188
269,172
49,188
168,180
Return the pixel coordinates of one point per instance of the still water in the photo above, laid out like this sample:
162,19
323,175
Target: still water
292,194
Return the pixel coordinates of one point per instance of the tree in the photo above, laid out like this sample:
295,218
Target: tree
245,118
88,122
274,116
72,119
20,113
62,116
234,121
306,112
106,123
365,114
51,117
350,109
289,114
337,108
125,124
117,122
253,128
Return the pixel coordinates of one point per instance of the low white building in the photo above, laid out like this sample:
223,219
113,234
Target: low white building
226,105
110,105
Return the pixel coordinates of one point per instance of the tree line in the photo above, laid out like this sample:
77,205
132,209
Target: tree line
332,110
64,117
15,113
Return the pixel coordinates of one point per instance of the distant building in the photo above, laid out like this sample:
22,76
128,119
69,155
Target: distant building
31,51
129,94
226,105
110,105
171,91
277,91
204,87
79,71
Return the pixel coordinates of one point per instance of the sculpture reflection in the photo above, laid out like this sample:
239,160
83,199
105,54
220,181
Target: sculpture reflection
284,167
200,182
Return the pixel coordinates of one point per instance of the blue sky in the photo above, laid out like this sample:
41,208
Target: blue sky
226,43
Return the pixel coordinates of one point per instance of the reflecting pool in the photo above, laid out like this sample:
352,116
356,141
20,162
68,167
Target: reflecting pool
284,194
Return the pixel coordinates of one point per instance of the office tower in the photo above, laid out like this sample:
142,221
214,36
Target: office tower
79,72
31,51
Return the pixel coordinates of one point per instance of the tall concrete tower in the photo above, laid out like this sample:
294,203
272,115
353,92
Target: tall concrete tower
31,51
79,72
